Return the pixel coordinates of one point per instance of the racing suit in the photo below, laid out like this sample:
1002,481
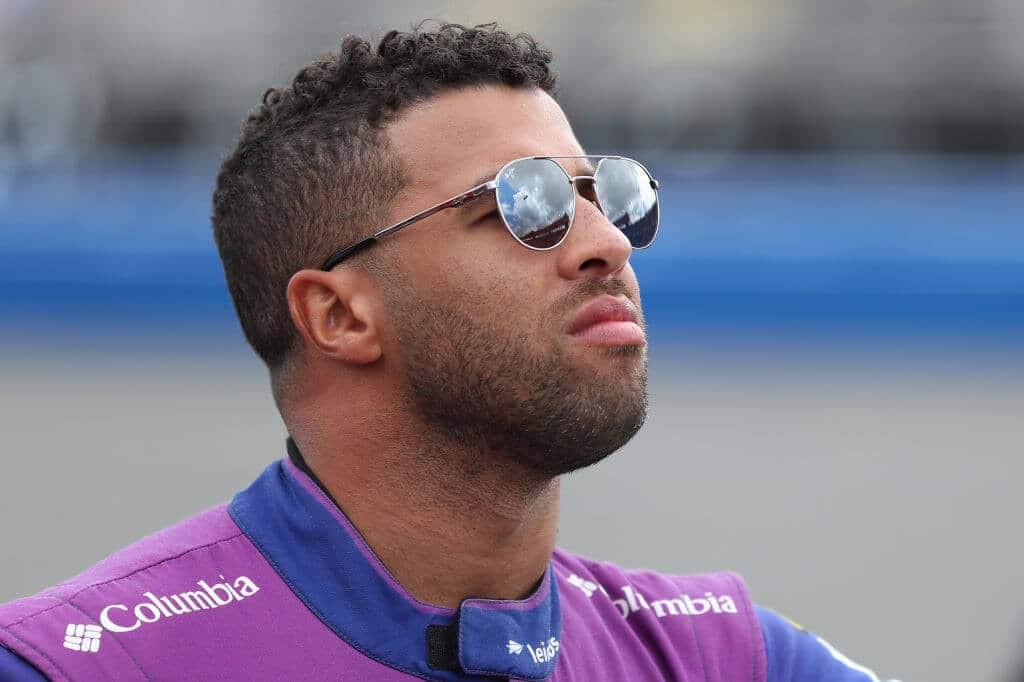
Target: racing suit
279,585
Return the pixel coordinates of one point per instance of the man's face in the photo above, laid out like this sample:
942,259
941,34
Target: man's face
482,324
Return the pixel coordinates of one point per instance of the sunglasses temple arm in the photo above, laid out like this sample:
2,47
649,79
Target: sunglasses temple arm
464,198
459,200
339,256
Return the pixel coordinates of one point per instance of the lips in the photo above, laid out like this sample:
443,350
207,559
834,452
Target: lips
608,321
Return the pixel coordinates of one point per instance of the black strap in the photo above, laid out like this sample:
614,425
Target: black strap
443,647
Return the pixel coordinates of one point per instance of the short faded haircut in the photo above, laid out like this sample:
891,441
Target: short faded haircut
313,170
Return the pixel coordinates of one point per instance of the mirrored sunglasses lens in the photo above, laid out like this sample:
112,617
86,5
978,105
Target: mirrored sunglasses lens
537,202
629,201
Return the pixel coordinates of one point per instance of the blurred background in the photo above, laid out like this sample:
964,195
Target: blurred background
836,298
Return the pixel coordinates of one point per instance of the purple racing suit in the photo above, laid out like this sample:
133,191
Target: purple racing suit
279,585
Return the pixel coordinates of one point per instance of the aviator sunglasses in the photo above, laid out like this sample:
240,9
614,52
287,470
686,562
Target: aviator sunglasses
536,200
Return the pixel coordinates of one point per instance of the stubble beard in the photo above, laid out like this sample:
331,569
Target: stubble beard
487,388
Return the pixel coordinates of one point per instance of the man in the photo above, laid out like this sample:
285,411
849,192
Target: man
436,378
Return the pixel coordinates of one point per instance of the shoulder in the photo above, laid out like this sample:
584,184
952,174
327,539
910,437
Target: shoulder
694,624
796,655
160,553
717,609
666,594
121,594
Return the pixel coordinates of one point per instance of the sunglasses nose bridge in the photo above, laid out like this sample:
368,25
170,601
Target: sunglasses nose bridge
586,187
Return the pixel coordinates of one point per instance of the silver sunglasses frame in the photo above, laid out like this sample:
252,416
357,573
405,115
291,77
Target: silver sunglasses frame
476,192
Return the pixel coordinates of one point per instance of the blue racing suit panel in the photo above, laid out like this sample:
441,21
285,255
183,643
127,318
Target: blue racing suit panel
14,668
796,655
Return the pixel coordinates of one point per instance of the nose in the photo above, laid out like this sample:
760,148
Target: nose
594,247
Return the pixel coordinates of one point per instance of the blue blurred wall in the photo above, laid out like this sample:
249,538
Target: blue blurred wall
831,248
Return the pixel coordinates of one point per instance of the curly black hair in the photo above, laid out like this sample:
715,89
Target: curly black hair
313,169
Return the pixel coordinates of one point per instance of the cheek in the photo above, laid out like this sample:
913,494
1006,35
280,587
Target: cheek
524,306
509,299
484,273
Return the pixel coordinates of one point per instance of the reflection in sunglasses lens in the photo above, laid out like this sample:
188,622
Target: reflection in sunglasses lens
628,199
537,202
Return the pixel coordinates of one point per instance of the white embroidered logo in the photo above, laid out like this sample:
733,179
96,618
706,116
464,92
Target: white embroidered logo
681,605
118,617
83,638
545,652
122,618
586,586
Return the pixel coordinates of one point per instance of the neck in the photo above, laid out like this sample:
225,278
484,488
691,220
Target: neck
449,523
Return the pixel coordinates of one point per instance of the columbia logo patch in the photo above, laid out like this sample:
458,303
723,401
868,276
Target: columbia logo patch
586,586
83,638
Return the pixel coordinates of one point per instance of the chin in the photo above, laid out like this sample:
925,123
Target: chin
596,352
637,351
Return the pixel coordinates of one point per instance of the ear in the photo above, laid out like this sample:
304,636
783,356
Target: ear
335,313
